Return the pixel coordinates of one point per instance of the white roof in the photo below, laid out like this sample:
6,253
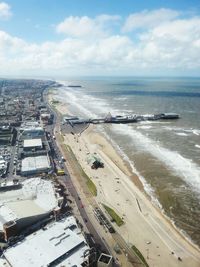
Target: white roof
45,115
31,164
36,197
25,208
32,143
6,215
4,263
32,128
30,123
45,246
3,164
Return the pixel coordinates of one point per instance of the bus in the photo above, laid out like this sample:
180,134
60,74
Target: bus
60,172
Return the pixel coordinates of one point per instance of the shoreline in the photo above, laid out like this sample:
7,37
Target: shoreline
137,180
139,184
116,164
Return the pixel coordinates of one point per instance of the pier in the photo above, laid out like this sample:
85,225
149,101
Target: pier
121,119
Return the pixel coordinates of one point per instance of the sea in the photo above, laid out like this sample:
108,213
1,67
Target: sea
165,154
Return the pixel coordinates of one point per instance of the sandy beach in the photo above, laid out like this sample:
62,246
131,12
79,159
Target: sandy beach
118,187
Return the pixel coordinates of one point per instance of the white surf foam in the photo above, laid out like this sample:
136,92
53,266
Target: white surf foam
120,98
90,106
147,187
154,122
183,167
181,134
177,129
196,132
144,127
75,101
198,146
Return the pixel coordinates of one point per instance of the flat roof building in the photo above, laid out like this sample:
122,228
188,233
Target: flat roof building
58,244
3,166
26,205
33,143
34,165
30,130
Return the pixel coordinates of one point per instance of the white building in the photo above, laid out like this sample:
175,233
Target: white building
34,165
3,166
24,206
58,244
31,129
33,144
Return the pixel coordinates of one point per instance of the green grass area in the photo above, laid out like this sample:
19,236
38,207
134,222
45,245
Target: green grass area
54,107
140,256
50,90
55,102
91,186
114,215
71,153
62,137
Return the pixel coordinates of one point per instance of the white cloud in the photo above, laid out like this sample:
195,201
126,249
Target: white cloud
184,30
173,45
85,26
148,19
5,12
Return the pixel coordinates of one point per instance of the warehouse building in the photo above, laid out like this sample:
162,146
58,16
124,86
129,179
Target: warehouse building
26,205
30,130
30,144
58,244
35,165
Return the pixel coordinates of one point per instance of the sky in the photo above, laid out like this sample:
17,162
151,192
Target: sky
99,38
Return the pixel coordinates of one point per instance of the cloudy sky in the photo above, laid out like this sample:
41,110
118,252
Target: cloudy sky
99,37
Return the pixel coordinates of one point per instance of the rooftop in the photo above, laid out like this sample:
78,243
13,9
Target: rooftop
30,124
35,164
36,197
56,243
28,143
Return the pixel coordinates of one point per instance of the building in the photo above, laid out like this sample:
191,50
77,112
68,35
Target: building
25,205
9,185
3,166
30,130
105,260
7,134
35,165
58,244
30,144
46,118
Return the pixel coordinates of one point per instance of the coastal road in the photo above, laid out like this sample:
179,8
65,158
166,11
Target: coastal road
54,129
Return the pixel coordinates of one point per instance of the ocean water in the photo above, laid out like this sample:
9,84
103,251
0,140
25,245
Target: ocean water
165,154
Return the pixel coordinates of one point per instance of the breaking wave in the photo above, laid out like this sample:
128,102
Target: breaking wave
185,168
